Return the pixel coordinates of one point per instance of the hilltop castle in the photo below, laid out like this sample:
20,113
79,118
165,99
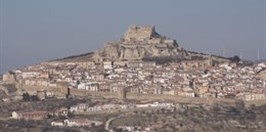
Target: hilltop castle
140,33
140,42
143,43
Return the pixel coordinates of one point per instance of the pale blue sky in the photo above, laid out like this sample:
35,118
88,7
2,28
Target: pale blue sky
38,30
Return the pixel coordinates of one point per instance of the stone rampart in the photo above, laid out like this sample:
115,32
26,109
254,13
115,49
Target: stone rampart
139,33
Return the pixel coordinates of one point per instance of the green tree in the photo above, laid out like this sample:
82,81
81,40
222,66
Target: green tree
235,58
25,97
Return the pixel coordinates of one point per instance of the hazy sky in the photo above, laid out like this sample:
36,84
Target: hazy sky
36,30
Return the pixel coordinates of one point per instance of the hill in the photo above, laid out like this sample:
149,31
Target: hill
142,43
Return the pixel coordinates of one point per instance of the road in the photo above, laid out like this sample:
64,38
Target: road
107,124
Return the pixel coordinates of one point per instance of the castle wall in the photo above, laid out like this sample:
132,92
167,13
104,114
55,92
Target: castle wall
139,33
86,93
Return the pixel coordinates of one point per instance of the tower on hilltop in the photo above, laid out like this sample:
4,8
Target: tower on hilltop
140,33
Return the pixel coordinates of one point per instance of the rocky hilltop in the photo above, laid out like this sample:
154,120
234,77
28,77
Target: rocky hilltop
141,42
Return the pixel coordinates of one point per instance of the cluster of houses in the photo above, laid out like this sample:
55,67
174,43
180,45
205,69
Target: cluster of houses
39,115
106,108
83,107
186,78
76,123
134,129
63,112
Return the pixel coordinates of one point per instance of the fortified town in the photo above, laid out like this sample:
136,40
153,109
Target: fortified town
146,63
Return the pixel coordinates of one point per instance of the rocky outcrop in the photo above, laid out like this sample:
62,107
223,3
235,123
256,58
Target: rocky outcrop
138,43
143,43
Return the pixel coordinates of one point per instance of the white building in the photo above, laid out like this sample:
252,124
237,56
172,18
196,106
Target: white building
81,122
107,65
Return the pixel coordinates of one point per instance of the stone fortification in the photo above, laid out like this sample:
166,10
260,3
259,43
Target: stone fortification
144,43
139,33
140,42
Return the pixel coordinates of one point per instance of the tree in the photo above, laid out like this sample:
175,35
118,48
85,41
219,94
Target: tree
136,112
143,112
26,97
34,98
163,110
235,58
252,107
240,105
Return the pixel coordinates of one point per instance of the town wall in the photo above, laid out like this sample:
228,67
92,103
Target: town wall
151,97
